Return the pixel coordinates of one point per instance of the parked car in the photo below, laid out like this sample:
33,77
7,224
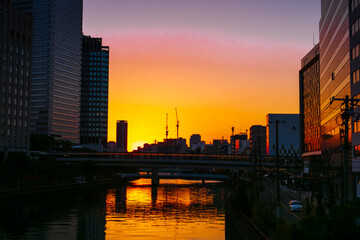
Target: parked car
295,206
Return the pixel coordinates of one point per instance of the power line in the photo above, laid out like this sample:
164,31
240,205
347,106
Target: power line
348,111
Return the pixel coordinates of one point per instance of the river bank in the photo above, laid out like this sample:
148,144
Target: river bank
57,188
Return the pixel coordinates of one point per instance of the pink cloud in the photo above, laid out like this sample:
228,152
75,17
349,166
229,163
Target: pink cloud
163,45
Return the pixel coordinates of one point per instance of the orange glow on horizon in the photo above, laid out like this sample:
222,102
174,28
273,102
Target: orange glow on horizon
215,83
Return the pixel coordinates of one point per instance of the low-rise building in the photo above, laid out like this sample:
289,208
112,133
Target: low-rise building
288,134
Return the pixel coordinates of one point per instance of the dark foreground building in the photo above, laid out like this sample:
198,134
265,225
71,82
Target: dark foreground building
339,78
15,72
334,72
94,94
354,21
56,68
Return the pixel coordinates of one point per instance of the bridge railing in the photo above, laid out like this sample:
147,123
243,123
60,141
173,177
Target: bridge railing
171,156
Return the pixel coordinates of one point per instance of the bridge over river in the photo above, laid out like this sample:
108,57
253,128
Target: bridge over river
182,161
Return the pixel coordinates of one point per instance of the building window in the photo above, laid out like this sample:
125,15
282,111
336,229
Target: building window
354,4
355,27
356,76
355,52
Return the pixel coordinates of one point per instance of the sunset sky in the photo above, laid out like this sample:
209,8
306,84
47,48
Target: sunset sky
221,63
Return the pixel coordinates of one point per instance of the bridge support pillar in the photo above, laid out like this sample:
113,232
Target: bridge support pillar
154,195
203,182
154,177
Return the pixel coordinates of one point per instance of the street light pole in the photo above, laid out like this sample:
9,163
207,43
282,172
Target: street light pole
278,199
346,147
260,164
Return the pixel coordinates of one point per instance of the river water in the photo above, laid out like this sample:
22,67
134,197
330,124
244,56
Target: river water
176,209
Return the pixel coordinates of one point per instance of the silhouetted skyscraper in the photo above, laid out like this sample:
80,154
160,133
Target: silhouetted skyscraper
56,68
15,72
257,140
121,135
94,94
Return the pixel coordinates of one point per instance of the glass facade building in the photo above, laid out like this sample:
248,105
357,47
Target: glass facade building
334,73
15,77
339,77
354,21
94,93
309,85
354,25
56,69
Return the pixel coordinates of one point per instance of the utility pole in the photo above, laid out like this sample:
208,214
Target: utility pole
260,165
278,199
232,140
255,175
349,104
277,162
177,124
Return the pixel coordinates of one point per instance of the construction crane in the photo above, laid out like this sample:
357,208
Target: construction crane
167,128
177,124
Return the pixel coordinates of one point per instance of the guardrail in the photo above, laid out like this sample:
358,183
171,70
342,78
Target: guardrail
237,158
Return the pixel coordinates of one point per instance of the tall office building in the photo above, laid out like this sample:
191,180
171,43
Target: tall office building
335,77
339,77
355,91
122,135
94,94
56,69
309,85
15,72
288,134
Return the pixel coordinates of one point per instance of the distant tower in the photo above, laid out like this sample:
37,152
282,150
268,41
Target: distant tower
194,139
258,139
121,135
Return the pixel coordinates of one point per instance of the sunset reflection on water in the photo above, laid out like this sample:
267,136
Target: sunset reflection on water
176,209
